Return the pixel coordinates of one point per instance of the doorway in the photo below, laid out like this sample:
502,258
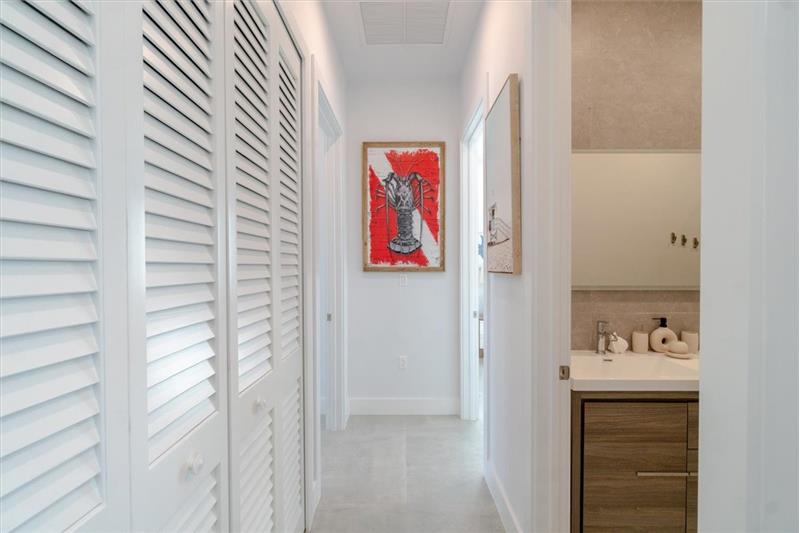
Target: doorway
473,273
329,375
327,364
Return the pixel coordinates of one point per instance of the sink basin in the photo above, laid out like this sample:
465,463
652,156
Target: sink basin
633,372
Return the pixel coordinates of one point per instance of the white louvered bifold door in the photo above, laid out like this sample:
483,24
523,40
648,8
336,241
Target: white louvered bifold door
287,218
252,388
178,351
56,402
264,242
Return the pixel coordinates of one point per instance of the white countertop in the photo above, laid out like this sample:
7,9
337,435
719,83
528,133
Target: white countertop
633,372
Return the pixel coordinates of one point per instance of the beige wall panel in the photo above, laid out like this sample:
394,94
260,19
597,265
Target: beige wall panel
636,75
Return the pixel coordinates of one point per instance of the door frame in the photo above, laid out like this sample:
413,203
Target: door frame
469,371
328,121
324,118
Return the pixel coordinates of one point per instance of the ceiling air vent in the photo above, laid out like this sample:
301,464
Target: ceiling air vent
405,21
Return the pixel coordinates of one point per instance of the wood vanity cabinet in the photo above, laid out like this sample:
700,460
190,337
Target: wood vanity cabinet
634,461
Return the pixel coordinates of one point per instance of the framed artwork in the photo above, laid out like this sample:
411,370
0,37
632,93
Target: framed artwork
403,206
502,160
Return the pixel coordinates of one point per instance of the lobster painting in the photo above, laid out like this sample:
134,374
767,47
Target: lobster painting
403,219
404,194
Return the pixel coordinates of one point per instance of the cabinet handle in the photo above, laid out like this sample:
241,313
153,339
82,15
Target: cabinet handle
260,404
195,463
664,474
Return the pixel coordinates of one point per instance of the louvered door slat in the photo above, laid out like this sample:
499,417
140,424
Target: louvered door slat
41,172
251,144
158,179
26,57
70,17
178,14
199,11
199,509
28,502
38,135
180,220
28,352
292,458
42,457
50,441
289,213
257,478
48,35
194,47
44,102
177,51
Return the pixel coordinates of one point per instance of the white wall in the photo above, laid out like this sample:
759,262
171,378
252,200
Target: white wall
528,315
748,289
500,47
385,320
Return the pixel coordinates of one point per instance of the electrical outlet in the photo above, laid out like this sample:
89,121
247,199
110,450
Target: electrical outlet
403,362
404,280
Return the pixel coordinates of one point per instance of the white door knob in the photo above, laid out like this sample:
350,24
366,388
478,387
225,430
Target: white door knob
260,404
195,463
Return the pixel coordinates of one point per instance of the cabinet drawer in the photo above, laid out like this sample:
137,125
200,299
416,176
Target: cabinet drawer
622,441
691,492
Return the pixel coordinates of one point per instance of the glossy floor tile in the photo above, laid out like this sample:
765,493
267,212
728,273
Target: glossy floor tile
414,474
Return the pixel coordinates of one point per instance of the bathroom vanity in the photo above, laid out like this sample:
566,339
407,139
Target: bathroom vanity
634,443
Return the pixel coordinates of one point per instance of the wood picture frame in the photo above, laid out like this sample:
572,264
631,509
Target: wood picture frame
410,167
502,169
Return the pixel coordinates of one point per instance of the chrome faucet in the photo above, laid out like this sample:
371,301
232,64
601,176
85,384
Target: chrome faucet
602,337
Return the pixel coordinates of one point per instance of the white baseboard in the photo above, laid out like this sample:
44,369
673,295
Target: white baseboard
507,516
404,406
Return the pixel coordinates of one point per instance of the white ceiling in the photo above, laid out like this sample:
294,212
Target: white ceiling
407,21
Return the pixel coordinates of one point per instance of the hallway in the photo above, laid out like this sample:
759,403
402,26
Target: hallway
405,474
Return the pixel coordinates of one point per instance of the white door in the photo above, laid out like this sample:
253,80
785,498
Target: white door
265,282
253,390
177,291
287,218
61,358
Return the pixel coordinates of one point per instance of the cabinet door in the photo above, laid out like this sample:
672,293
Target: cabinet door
691,493
691,467
253,380
634,466
177,292
63,431
287,221
265,281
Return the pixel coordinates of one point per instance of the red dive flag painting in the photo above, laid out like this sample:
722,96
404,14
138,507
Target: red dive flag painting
403,205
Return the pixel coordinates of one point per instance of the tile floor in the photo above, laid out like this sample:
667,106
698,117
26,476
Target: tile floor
413,474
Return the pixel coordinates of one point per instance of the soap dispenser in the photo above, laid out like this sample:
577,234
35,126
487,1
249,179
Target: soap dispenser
662,336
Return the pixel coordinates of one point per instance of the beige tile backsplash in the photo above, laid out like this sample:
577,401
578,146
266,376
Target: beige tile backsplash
627,311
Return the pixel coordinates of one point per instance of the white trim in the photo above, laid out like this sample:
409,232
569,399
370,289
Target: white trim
469,371
548,114
748,275
507,516
404,406
338,378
